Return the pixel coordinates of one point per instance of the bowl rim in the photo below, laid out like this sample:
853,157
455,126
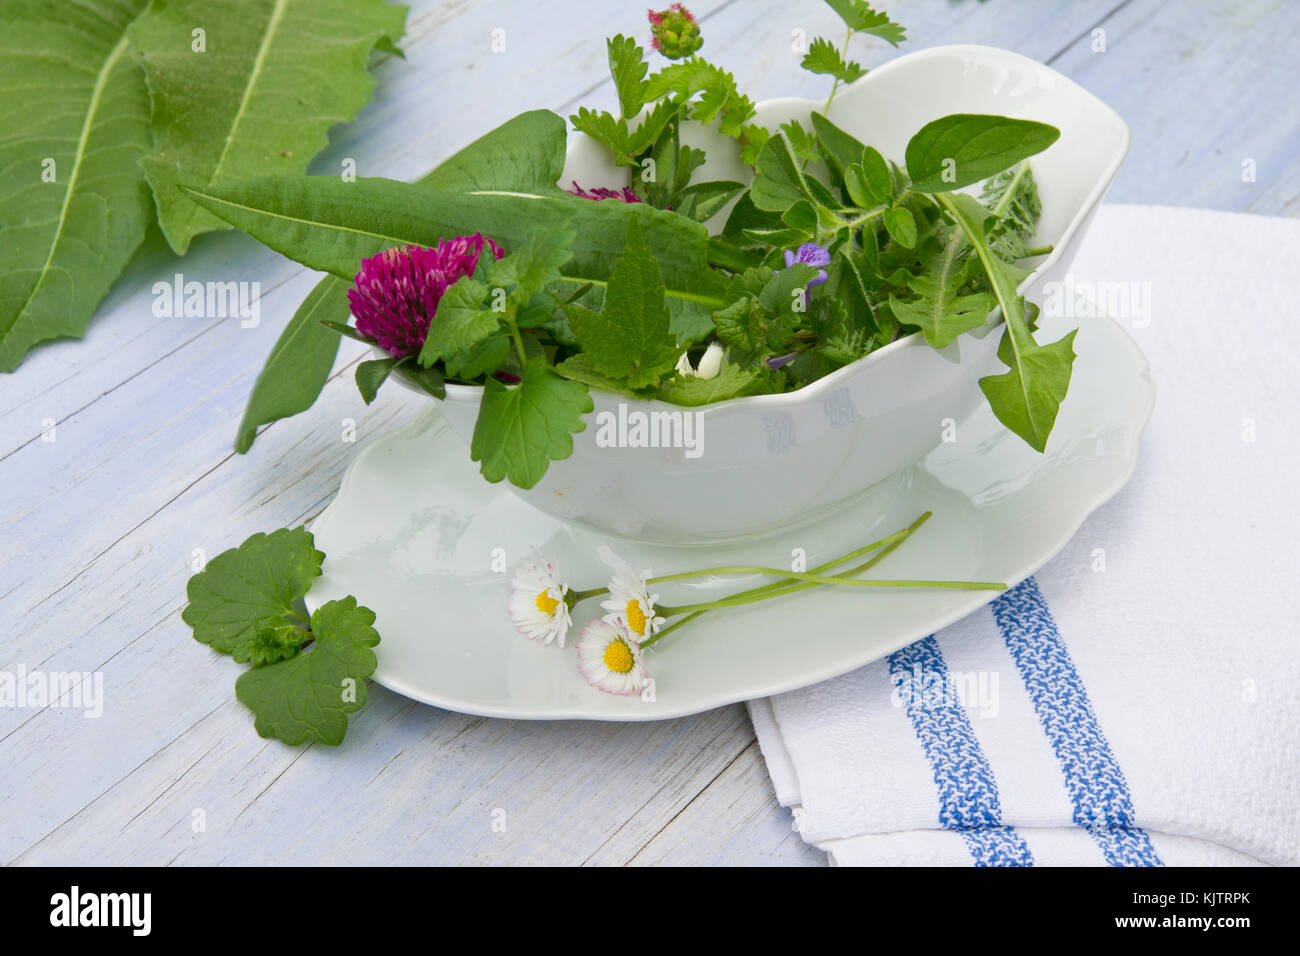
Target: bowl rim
473,393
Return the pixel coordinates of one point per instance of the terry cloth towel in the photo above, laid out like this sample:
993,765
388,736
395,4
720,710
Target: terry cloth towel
1135,702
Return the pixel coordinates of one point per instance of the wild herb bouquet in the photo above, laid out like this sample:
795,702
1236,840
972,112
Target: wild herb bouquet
490,272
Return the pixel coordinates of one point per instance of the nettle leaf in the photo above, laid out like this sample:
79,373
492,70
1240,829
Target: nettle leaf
273,77
628,67
1028,397
631,340
522,429
245,588
309,696
300,363
859,17
957,150
73,203
824,59
534,265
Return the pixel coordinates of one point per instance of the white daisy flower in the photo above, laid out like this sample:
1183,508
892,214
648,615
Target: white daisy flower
610,659
629,598
538,602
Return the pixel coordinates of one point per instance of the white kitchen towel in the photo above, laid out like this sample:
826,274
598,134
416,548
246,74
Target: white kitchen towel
1137,701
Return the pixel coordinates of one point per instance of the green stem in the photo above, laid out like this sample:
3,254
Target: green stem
1038,251
844,55
779,588
575,596
836,579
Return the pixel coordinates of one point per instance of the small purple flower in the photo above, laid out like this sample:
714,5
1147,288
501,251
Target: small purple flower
781,361
395,295
810,254
600,192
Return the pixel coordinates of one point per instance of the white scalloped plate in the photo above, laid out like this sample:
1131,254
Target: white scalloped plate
414,531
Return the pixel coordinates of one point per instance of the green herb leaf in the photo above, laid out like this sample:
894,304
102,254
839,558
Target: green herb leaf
628,67
939,309
779,181
371,375
732,381
901,226
1027,398
824,59
309,696
1012,198
73,202
253,585
275,75
859,17
521,430
463,320
631,341
274,641
300,363
524,154
957,150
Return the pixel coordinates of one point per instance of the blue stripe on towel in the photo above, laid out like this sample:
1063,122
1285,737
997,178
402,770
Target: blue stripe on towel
1093,779
968,794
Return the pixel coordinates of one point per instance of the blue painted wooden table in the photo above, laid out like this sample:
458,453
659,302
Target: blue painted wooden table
116,471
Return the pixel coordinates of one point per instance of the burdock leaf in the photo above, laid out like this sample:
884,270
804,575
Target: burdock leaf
254,92
73,203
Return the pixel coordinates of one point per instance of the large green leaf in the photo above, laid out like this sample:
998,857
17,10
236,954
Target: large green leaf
73,126
330,225
271,79
523,154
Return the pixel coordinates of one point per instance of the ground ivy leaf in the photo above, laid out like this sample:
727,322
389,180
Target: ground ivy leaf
631,340
271,642
521,430
732,381
274,77
247,587
310,695
299,364
463,320
73,98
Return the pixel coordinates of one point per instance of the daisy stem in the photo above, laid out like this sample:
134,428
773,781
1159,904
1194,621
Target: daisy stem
897,536
821,579
780,588
576,596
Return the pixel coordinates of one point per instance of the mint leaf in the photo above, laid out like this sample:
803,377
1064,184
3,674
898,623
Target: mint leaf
310,695
631,340
628,67
957,150
247,587
823,59
73,202
521,430
275,76
859,17
300,363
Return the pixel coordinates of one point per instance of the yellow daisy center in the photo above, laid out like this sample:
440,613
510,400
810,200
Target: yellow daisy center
618,657
635,617
546,604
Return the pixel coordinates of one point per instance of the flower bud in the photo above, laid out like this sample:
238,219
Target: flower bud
675,32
